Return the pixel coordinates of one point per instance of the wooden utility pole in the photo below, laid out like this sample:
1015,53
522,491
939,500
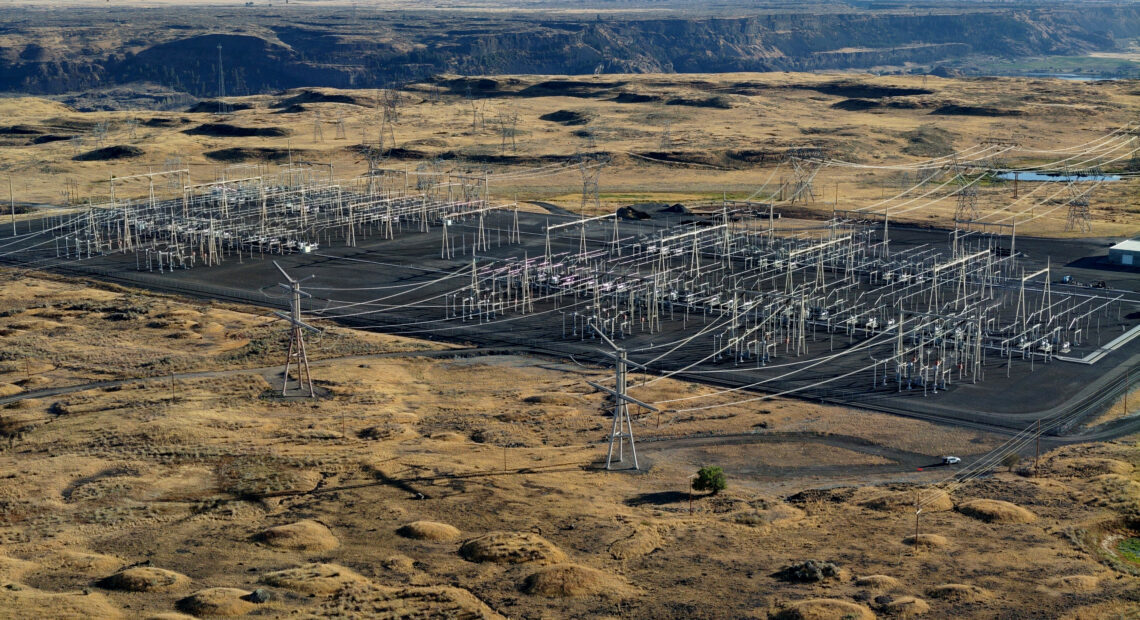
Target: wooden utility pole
12,204
917,511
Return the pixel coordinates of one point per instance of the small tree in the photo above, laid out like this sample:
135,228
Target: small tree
1011,460
710,479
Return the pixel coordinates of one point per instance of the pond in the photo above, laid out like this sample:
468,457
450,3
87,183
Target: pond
1056,176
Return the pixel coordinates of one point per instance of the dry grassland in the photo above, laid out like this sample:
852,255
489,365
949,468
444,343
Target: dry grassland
725,134
469,487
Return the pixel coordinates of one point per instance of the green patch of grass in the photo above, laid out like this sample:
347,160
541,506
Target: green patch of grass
1129,549
1077,65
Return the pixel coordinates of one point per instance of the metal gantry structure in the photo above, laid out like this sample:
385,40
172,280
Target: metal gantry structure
736,294
295,210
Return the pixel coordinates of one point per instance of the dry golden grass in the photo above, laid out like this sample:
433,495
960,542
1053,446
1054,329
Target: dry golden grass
929,541
511,548
996,511
217,602
29,602
12,569
1073,583
122,476
316,579
1056,114
145,579
877,582
385,603
904,501
561,580
1124,406
115,333
300,536
643,541
906,607
1088,467
960,593
429,530
825,609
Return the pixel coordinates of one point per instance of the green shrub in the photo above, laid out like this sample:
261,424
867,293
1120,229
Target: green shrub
710,479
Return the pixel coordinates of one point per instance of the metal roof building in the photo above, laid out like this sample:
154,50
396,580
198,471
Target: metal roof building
1126,253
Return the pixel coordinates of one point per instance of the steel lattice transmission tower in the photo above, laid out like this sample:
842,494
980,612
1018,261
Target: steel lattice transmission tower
508,129
591,168
1079,217
967,209
623,425
806,163
297,331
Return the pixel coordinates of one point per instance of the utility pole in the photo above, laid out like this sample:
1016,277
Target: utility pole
1037,455
296,337
1127,387
12,203
917,511
623,425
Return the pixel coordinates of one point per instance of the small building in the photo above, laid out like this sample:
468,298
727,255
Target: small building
1126,253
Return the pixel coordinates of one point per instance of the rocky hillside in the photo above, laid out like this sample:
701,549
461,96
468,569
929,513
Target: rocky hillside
266,47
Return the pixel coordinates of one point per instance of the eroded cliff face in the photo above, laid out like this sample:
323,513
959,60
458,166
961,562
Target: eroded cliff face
264,51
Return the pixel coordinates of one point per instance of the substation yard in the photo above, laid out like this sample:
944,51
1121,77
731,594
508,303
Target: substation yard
936,324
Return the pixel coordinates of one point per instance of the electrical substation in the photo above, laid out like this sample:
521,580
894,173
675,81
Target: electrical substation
970,325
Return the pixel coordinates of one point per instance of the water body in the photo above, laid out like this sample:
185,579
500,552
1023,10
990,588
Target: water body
1072,77
1066,178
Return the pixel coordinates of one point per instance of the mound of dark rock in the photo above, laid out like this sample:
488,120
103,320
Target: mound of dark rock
481,87
316,96
569,88
51,137
856,105
566,117
211,106
837,495
225,130
630,213
240,154
953,109
755,156
161,121
858,90
676,208
635,98
811,571
20,130
718,102
110,153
